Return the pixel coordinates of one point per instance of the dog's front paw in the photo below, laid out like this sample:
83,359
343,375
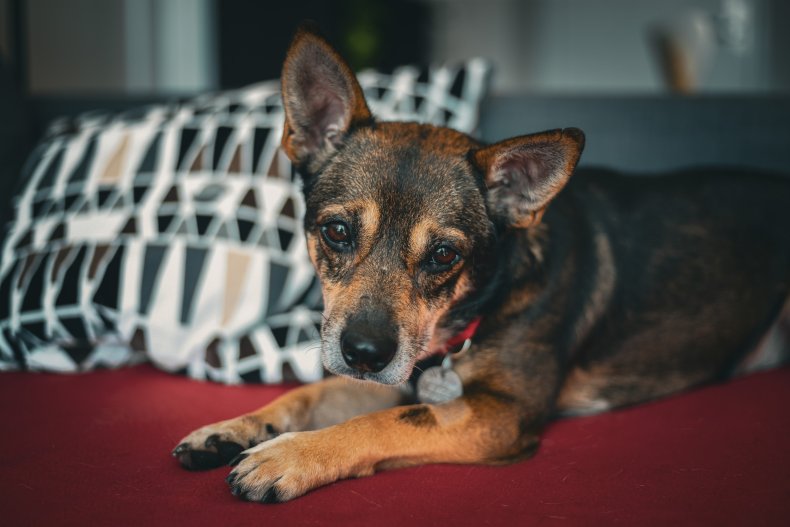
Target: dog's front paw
221,443
291,465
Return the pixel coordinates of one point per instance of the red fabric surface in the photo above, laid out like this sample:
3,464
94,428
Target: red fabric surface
94,450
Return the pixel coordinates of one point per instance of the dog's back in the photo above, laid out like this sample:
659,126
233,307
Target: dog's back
684,275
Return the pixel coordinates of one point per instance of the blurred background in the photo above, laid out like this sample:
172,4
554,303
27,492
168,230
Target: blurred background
67,56
657,86
557,46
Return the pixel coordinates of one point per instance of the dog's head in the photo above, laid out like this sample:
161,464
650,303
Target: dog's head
402,218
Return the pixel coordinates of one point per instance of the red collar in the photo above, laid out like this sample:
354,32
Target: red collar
454,343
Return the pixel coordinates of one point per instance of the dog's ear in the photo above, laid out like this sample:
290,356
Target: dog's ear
321,97
523,174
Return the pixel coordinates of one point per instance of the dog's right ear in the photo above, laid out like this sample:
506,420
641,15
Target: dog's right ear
322,100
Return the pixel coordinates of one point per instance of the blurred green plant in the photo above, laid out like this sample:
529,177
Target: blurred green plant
363,21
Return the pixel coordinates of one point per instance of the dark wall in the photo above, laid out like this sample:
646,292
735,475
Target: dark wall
654,133
15,136
254,35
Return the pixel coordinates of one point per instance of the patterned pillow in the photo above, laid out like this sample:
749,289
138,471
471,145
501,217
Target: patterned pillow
173,233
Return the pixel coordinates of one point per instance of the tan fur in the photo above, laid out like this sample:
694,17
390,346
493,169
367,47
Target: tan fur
421,234
432,319
368,211
605,278
309,407
531,219
299,462
581,392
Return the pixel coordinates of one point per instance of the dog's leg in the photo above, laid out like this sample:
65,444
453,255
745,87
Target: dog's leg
483,426
309,407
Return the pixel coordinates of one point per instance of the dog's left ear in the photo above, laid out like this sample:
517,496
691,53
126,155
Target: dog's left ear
321,97
523,174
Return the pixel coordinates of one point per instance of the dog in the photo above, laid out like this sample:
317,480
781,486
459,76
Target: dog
564,298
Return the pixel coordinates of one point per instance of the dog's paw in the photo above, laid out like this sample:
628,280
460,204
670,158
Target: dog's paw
291,465
221,443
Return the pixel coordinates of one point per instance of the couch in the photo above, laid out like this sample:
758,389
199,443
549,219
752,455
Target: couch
94,448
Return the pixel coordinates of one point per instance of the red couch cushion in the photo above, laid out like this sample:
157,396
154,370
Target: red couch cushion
94,449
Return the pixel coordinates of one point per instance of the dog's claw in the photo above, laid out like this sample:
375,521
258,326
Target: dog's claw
234,488
238,459
271,496
180,449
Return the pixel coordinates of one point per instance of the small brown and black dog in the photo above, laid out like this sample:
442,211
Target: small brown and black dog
623,291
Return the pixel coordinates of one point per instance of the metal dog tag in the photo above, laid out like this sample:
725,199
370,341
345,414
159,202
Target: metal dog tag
439,384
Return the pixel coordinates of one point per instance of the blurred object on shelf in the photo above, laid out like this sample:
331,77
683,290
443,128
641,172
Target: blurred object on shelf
685,47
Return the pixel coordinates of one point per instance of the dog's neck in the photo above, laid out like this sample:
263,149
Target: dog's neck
461,340
515,261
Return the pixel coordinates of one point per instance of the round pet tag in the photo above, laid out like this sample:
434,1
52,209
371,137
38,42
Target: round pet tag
439,385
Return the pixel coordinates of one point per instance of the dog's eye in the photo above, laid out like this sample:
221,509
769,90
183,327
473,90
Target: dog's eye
337,235
442,258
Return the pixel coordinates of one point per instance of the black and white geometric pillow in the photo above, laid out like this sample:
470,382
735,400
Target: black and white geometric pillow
173,233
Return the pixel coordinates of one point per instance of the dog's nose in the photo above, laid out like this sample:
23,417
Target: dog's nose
366,352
